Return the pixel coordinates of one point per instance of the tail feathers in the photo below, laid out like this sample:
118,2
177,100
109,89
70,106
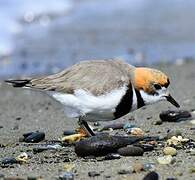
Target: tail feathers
19,82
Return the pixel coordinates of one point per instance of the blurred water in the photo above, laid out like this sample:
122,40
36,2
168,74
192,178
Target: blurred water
46,36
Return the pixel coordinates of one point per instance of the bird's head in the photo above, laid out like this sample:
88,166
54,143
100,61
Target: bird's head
152,85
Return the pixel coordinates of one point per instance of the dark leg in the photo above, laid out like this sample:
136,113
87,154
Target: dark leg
84,125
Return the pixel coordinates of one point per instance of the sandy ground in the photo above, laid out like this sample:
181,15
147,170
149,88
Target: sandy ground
36,111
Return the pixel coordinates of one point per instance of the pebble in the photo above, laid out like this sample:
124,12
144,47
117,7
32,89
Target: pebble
102,144
128,126
136,132
46,147
113,126
130,151
165,159
177,141
192,170
7,161
33,178
137,167
112,156
33,137
192,121
68,167
149,167
174,116
151,176
93,174
23,157
67,176
171,178
169,151
172,133
124,171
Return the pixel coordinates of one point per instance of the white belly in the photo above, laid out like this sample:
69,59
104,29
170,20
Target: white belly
94,108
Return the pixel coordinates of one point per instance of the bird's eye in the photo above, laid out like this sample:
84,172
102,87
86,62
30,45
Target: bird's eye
157,86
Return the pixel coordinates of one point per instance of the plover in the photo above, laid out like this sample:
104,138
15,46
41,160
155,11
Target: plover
102,90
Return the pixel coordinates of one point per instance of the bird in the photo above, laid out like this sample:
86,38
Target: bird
101,90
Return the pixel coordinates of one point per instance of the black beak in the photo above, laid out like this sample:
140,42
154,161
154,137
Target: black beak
172,101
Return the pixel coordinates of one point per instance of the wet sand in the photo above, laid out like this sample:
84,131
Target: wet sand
24,111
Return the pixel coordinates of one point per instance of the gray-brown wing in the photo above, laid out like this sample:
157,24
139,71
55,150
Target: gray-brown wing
98,77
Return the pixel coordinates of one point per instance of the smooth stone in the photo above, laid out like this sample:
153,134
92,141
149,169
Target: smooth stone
131,151
46,147
67,176
11,160
149,167
170,151
135,131
93,174
192,121
151,176
128,126
103,144
165,159
138,167
34,137
192,170
174,116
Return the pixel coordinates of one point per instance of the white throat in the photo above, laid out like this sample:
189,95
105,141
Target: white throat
150,99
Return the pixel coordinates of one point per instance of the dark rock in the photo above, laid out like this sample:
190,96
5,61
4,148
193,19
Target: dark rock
112,156
124,171
131,151
18,118
174,116
113,126
32,178
93,174
34,137
151,176
67,176
145,147
171,178
11,160
68,132
103,144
